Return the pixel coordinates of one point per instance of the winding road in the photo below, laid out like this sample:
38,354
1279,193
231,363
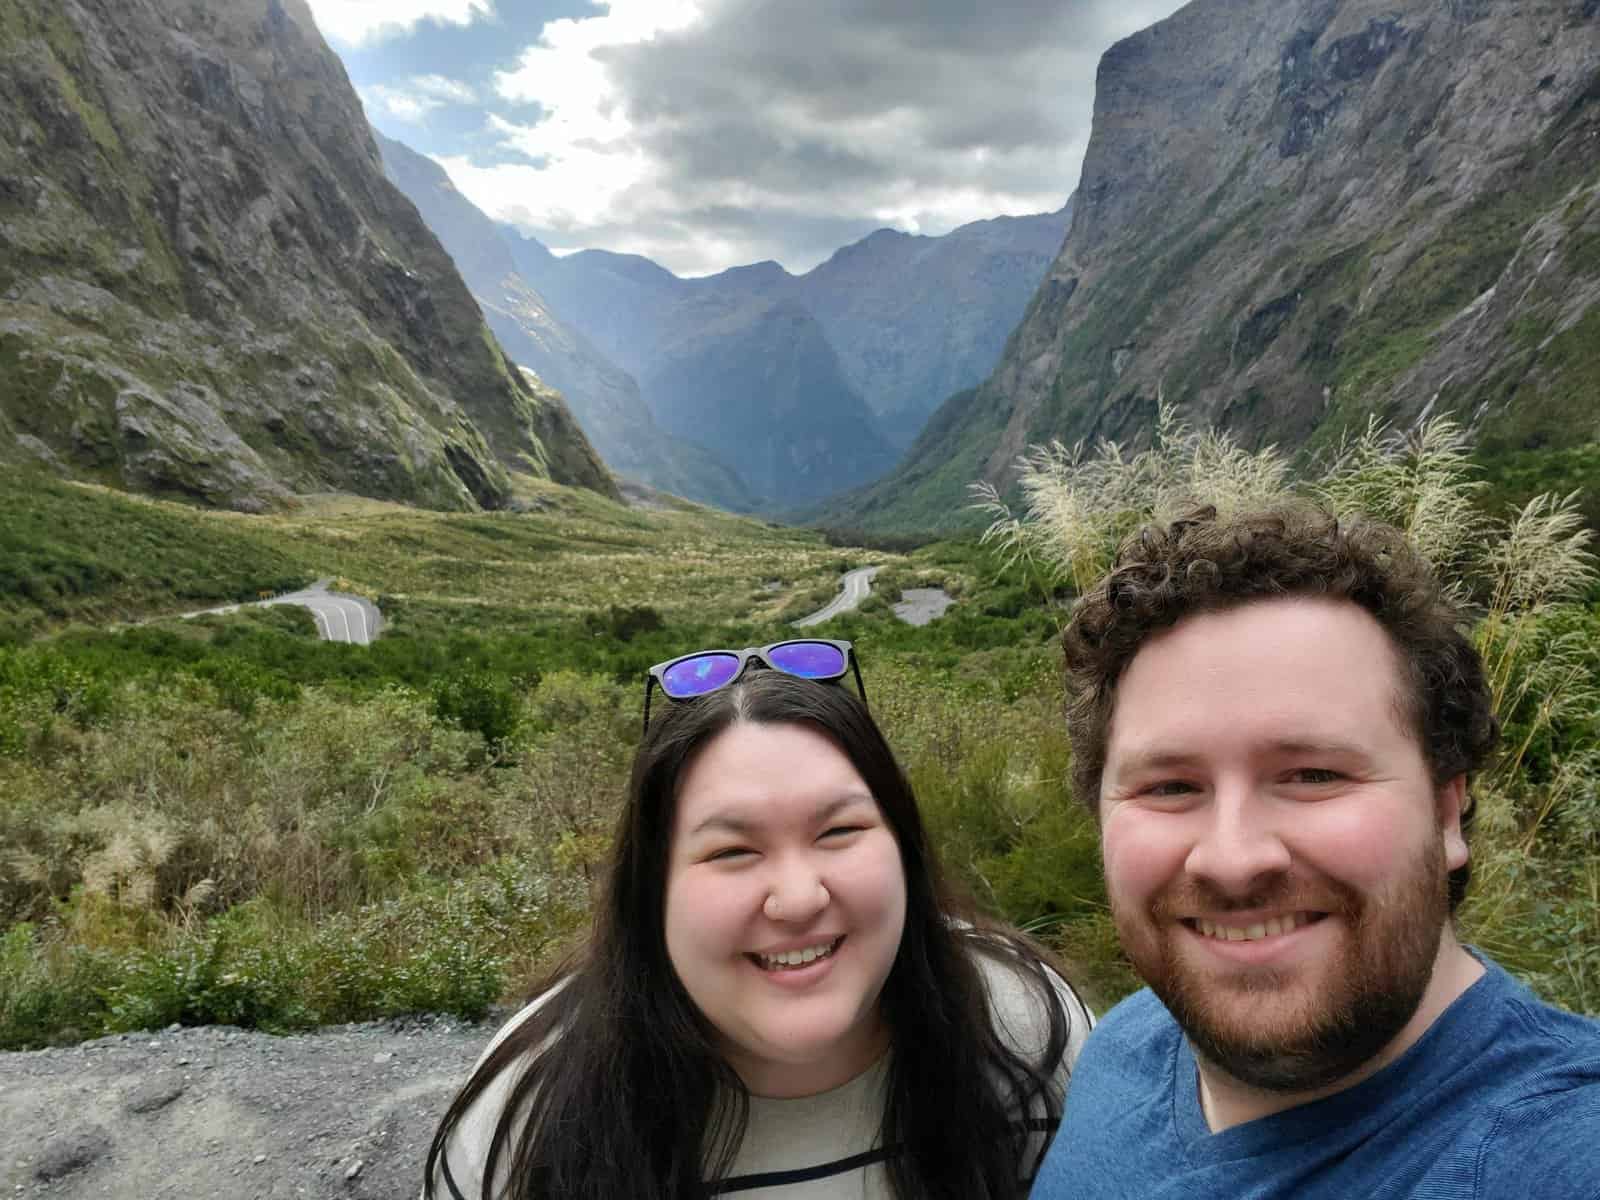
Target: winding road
340,617
853,590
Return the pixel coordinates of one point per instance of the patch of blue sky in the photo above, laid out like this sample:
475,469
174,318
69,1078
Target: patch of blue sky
470,54
432,86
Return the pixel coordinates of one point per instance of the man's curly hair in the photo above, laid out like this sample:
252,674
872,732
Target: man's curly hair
1206,563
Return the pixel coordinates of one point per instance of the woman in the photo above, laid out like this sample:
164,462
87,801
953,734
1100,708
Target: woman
778,996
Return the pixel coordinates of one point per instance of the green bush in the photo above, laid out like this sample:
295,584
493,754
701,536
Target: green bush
487,704
240,684
51,994
433,948
623,622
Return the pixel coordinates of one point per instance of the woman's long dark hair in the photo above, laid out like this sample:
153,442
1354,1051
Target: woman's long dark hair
616,1087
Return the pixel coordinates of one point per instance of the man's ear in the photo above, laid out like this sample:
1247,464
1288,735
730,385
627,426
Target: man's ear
1450,802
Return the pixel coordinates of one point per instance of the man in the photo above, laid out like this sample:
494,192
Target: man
1275,718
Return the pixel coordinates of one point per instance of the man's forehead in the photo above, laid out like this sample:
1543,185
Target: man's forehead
1312,668
1275,623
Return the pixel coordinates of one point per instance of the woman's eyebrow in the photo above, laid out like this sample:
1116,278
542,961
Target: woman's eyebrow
736,822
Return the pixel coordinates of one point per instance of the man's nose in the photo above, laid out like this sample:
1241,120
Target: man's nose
1239,843
796,892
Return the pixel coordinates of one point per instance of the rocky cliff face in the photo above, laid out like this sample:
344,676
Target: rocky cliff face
208,287
1295,214
604,398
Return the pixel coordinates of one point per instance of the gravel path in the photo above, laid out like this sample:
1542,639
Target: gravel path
220,1112
919,606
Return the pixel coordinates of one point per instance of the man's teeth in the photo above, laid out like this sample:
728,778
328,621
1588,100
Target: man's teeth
798,958
1253,933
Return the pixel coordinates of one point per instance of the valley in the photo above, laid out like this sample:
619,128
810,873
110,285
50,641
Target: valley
752,389
296,352
227,819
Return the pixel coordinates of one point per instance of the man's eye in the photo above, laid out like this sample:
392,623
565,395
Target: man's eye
1316,775
1169,787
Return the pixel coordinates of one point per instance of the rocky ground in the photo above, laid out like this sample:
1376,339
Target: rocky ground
919,606
221,1112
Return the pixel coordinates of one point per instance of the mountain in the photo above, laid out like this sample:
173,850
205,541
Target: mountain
753,378
909,318
1296,214
604,398
762,389
209,289
917,318
731,362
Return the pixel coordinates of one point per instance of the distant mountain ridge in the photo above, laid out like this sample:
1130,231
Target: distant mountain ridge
208,288
729,362
604,397
753,373
916,318
910,318
1359,209
728,412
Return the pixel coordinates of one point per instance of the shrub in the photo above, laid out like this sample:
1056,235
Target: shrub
50,993
487,704
240,685
623,622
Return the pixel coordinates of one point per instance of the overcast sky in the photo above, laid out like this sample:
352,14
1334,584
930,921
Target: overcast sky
711,133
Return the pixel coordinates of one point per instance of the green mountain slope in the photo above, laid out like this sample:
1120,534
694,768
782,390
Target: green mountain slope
1356,210
208,288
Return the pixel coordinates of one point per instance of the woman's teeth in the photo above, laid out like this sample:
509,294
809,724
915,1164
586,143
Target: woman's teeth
790,959
1253,933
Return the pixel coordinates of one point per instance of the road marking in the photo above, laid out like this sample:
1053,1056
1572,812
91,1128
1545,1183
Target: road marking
322,605
855,586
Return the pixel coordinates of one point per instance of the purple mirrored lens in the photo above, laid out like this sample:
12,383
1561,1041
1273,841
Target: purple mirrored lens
698,675
809,660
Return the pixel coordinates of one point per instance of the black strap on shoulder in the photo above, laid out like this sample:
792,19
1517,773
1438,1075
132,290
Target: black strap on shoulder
449,1179
766,1179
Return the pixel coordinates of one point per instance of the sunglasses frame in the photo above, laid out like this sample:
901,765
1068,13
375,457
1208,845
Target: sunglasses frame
759,654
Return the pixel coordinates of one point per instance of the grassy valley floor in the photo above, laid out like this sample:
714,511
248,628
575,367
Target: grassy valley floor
226,820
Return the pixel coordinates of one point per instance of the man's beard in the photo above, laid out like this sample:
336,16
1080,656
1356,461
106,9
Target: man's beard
1327,1022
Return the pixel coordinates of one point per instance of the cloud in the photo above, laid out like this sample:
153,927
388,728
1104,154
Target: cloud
355,22
446,91
413,99
705,133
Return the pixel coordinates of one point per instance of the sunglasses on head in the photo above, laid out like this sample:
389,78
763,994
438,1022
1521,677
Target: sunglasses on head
705,671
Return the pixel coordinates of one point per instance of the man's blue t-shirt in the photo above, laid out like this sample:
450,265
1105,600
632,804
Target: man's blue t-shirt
1500,1098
